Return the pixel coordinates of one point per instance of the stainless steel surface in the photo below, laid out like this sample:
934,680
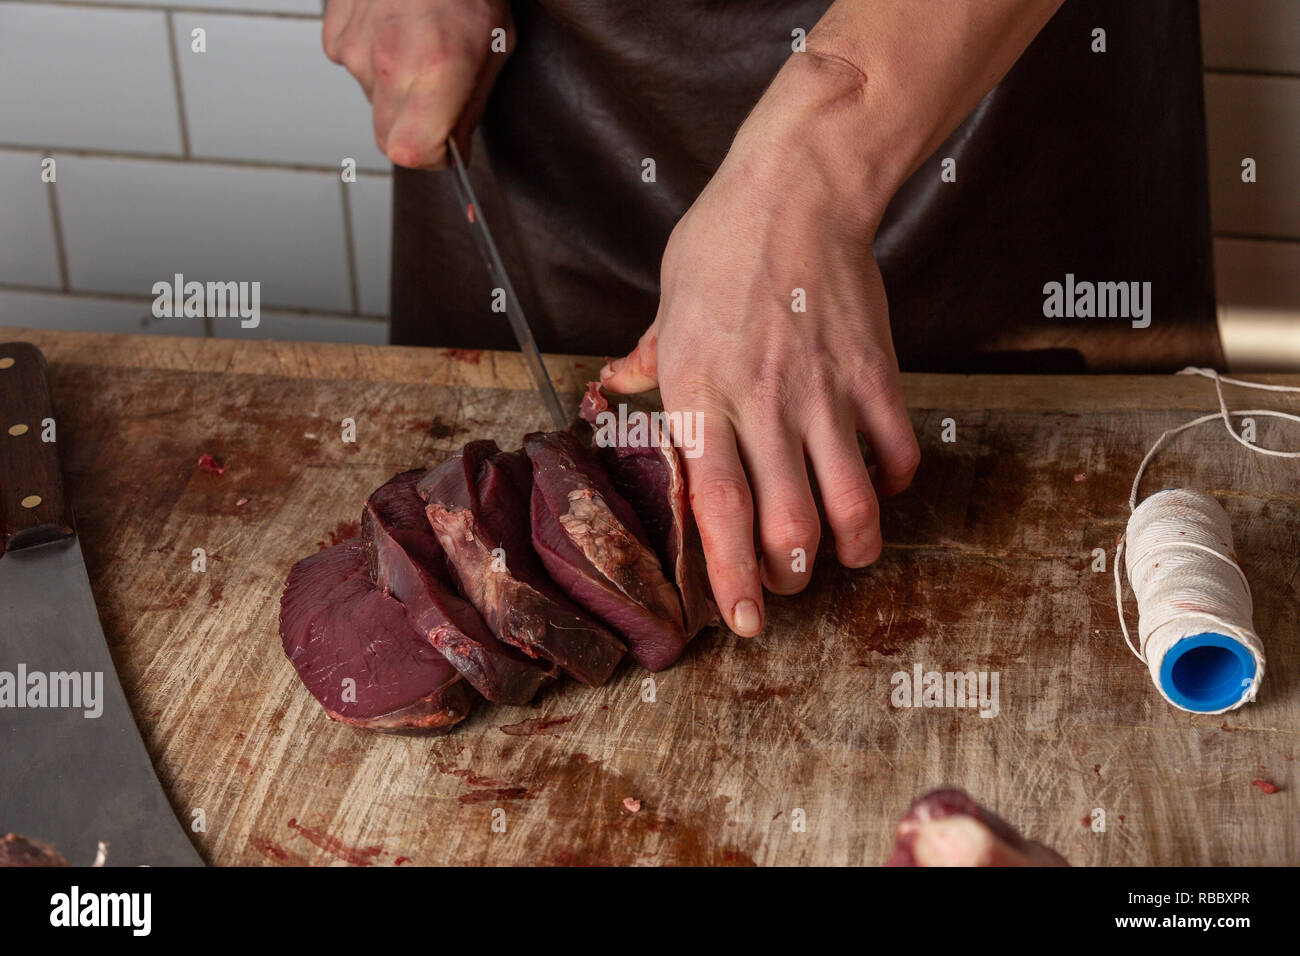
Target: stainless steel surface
478,227
66,778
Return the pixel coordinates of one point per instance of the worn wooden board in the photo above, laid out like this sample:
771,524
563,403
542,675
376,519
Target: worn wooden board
986,568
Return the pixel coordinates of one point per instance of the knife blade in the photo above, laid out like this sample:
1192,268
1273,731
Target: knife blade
74,771
478,228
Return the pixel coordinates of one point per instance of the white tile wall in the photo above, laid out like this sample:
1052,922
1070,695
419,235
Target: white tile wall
28,255
264,90
370,201
129,223
76,313
86,78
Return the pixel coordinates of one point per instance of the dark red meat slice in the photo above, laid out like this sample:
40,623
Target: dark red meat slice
948,828
478,508
406,561
337,626
594,547
650,477
18,850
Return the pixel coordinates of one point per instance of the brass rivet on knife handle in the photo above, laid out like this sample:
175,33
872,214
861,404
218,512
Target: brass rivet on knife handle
33,508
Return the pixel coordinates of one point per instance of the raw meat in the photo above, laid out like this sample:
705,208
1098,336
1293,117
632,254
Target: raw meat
948,828
354,648
650,477
406,561
478,505
18,850
594,547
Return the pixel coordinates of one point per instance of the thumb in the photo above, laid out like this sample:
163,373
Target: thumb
639,370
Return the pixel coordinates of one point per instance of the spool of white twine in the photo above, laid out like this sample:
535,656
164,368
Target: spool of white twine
1195,628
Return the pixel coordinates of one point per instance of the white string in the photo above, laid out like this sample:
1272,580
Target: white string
1187,594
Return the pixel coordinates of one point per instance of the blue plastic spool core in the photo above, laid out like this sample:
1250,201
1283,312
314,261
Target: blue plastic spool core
1207,672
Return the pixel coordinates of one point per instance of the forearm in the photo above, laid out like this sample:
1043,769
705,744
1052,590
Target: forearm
881,85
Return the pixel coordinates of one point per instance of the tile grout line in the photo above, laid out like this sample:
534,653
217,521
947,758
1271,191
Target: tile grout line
354,285
60,249
162,6
193,159
177,87
130,297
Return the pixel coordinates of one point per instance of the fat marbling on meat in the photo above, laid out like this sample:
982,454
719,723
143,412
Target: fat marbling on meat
407,562
477,505
594,546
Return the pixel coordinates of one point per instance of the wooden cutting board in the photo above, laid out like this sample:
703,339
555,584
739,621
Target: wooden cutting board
779,750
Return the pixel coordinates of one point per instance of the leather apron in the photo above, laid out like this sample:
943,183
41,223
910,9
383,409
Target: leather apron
1078,164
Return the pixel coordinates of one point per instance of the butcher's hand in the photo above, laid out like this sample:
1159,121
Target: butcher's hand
426,66
773,333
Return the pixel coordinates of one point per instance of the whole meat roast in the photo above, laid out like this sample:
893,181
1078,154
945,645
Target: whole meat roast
497,571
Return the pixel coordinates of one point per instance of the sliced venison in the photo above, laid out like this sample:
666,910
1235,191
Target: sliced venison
356,651
407,562
649,475
594,546
477,505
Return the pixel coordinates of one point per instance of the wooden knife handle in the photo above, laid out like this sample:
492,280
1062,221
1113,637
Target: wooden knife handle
33,509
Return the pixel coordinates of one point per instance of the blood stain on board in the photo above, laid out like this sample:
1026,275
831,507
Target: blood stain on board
535,725
338,756
470,777
1265,786
401,859
1096,768
273,850
439,429
605,833
343,531
355,856
470,356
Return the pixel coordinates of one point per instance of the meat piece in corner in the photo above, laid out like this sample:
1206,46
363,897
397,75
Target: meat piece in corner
357,653
407,562
648,473
948,828
477,505
594,546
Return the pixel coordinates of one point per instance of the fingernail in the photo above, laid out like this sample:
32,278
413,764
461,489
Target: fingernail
745,618
610,368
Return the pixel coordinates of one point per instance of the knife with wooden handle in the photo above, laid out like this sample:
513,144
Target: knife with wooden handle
74,771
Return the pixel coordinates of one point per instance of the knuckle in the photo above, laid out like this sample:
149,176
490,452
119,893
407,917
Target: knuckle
770,391
852,508
355,59
721,496
790,530
876,381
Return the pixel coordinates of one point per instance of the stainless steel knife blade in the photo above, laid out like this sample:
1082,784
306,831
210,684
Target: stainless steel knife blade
74,771
514,311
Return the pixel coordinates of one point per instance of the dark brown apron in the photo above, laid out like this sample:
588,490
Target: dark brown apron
1084,164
